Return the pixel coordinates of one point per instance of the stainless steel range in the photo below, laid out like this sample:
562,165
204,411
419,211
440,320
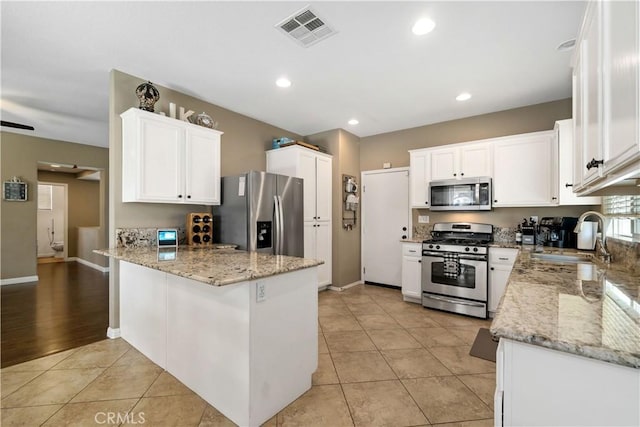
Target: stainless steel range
454,268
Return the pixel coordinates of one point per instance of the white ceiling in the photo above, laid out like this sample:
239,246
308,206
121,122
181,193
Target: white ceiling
56,58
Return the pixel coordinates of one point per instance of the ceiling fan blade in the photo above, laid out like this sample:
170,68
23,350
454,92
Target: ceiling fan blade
16,125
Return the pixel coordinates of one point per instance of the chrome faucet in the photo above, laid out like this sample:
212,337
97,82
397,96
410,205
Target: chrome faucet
602,220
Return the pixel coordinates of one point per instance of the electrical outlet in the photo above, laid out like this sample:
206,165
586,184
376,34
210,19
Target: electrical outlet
534,218
386,165
423,219
261,292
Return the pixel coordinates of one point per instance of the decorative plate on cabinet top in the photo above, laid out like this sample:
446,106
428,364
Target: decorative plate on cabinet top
204,120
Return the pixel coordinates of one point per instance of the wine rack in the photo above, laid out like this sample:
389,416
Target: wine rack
199,229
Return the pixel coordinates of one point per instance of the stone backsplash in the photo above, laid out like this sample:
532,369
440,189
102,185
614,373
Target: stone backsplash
143,237
500,234
625,253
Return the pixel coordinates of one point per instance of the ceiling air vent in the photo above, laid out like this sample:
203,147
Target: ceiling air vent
305,27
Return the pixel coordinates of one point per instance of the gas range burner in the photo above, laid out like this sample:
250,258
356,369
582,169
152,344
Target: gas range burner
461,242
459,237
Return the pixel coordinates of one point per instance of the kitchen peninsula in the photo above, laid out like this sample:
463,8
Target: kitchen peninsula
238,328
569,351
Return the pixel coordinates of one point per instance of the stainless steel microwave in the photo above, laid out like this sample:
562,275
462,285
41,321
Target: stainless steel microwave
468,194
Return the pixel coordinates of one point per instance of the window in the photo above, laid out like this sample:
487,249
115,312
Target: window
624,215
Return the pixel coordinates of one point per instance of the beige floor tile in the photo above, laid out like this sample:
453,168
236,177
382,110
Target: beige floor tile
382,403
41,364
52,387
377,321
358,309
467,334
27,417
132,357
182,411
326,373
446,399
475,423
388,339
353,298
111,412
167,385
382,291
414,363
455,320
344,341
120,382
322,344
98,355
362,366
339,323
333,310
271,422
435,337
322,405
414,319
214,418
398,306
458,360
11,381
483,385
329,297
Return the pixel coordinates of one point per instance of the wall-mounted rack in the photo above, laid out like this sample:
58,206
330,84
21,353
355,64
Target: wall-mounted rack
351,202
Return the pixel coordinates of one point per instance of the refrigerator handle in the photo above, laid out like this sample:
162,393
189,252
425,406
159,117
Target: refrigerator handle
276,225
281,228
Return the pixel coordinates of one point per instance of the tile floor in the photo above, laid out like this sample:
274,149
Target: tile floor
381,362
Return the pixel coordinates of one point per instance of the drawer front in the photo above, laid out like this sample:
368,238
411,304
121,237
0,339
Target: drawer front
502,256
412,249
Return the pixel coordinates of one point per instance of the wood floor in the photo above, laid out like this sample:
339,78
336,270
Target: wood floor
68,307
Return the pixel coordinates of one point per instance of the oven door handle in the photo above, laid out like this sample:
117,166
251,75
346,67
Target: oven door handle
474,257
433,254
456,301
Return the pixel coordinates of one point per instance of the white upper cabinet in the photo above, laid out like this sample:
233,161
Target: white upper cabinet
165,160
460,161
563,133
606,95
419,179
525,170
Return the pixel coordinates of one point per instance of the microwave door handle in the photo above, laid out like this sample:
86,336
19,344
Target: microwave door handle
477,194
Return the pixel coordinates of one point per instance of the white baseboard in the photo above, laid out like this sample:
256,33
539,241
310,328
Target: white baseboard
113,333
89,264
345,287
16,280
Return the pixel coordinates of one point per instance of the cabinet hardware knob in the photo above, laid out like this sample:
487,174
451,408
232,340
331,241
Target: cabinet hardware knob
426,203
594,163
179,196
404,237
491,268
420,260
461,173
318,218
495,201
189,196
404,228
455,174
567,185
554,198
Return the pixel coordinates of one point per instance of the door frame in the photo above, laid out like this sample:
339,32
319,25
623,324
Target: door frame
65,251
363,204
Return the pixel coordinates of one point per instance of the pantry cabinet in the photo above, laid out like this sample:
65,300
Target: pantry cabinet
315,169
412,272
606,93
419,180
165,160
525,171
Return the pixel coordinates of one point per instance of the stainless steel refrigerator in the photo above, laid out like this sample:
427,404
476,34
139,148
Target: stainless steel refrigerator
261,212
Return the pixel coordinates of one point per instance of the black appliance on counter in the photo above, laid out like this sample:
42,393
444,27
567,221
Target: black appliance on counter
558,231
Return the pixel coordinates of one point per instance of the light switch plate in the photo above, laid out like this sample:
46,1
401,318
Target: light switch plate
423,219
386,165
261,292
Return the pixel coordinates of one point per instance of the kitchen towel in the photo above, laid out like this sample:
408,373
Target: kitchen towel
451,265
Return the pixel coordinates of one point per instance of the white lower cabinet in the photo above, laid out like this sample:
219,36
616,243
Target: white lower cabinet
501,262
537,386
412,272
317,245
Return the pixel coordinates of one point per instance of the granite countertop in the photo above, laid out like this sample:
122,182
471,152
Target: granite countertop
217,265
591,310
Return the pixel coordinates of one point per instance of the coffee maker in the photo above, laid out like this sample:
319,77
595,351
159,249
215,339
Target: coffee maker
558,231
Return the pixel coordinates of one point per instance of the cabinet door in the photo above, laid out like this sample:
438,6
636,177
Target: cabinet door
592,73
323,188
498,278
202,167
418,166
525,171
443,163
621,52
323,252
475,160
160,151
310,239
578,123
307,171
412,276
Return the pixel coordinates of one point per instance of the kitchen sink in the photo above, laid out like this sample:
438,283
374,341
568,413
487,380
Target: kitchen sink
574,258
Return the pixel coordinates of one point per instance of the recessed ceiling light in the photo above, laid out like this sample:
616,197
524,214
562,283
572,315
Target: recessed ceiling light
423,26
463,96
353,122
568,45
283,82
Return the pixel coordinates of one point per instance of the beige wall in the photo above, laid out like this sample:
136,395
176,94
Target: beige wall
393,147
19,156
345,149
83,198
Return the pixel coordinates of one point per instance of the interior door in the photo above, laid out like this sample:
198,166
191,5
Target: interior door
385,220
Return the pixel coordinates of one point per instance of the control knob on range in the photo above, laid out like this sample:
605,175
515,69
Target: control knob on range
437,246
475,249
430,246
467,249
